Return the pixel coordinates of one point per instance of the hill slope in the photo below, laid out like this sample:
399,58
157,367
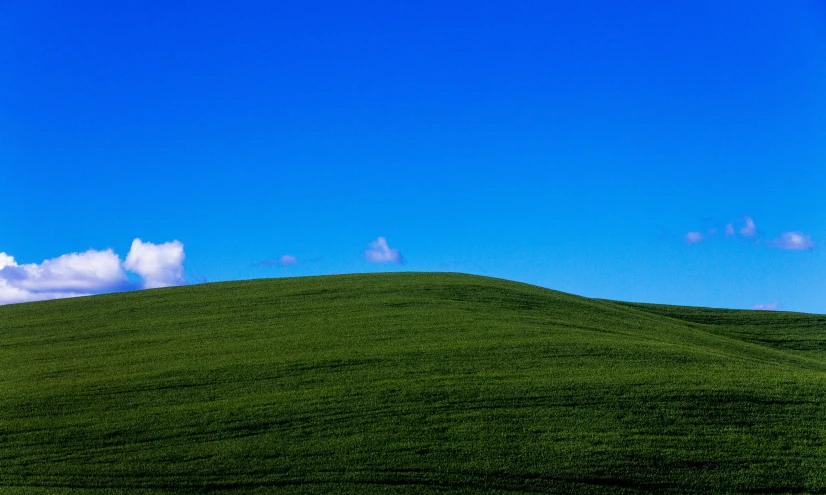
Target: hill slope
406,383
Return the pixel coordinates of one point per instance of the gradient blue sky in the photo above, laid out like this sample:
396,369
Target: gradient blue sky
572,145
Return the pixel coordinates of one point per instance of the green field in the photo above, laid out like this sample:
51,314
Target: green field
406,383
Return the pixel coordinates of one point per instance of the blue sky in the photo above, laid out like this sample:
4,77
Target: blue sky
589,147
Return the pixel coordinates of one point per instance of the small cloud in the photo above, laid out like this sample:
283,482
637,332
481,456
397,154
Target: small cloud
794,241
380,252
766,307
160,265
285,260
749,230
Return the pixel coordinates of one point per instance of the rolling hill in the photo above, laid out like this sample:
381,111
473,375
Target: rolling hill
406,383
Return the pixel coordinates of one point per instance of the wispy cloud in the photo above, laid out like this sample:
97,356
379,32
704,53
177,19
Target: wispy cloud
749,229
767,307
794,241
90,272
285,260
380,252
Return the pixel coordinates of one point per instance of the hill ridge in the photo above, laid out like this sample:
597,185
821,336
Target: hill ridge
405,383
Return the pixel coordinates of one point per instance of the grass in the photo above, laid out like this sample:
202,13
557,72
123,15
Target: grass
406,383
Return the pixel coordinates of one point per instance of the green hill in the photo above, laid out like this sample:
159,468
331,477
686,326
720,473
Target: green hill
406,383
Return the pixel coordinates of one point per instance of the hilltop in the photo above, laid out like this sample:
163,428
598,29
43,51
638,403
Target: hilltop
406,383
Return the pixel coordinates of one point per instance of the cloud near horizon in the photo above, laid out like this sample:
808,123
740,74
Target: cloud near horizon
766,307
285,260
381,252
75,272
90,272
160,265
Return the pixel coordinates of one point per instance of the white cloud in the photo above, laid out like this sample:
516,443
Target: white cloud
6,260
729,230
160,265
749,230
90,272
12,295
70,275
795,241
380,252
693,237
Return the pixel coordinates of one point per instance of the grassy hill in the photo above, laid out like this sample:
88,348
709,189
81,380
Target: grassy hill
406,383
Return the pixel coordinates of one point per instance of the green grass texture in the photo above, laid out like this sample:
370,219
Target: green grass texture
398,383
